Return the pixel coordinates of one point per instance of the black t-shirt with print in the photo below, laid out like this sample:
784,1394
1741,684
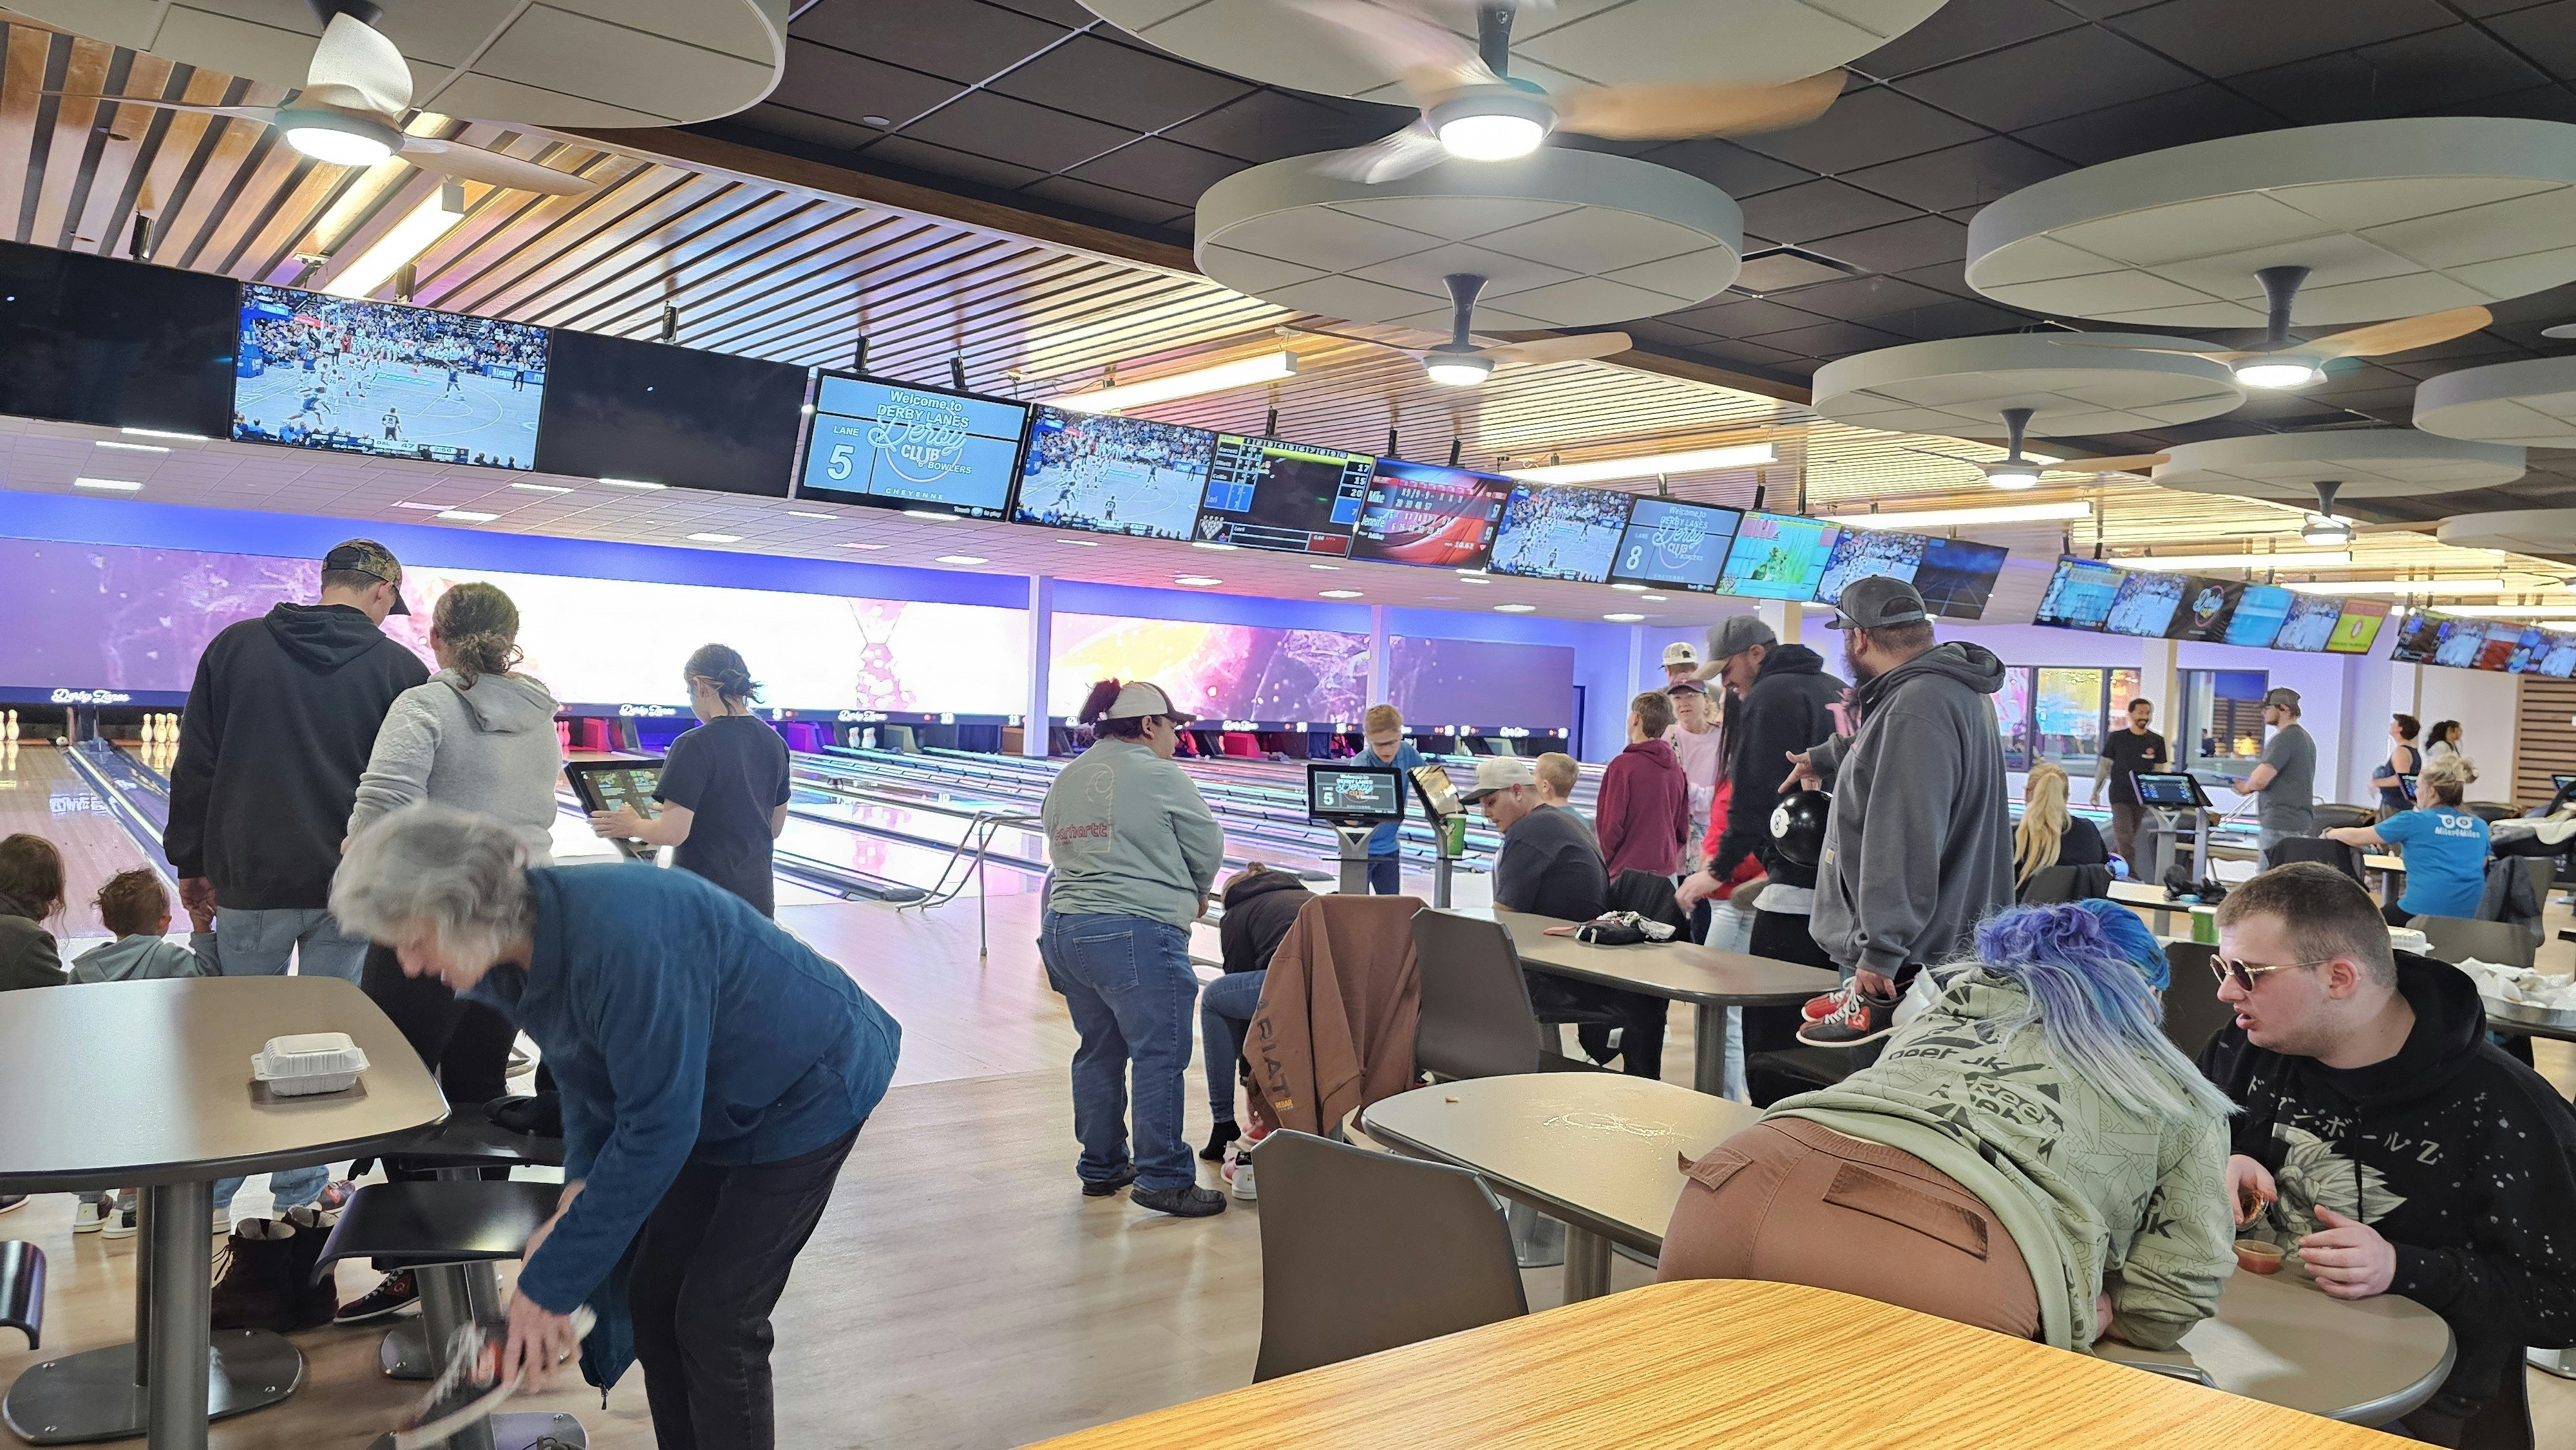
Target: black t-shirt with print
2129,753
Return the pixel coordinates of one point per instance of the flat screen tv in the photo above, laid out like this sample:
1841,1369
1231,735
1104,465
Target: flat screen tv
1104,474
87,339
389,381
617,408
1778,556
2207,605
1957,577
1861,553
2145,605
2558,661
1669,544
2080,594
2357,626
2261,611
2502,639
1421,513
1560,532
2528,651
902,446
2309,624
2419,637
1290,498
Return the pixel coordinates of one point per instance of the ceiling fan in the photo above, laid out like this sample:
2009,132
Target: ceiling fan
2281,361
350,111
2015,472
1474,110
1462,362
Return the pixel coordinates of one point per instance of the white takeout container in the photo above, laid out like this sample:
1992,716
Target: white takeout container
308,1063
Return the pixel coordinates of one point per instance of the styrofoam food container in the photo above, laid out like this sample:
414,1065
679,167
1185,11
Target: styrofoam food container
308,1063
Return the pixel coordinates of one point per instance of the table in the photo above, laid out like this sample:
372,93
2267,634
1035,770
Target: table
1708,979
1600,1152
179,1113
1722,1362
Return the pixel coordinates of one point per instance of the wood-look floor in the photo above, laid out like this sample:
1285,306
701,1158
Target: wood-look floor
41,794
960,1292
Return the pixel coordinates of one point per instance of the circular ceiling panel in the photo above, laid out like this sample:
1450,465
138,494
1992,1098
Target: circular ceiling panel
1563,239
2392,218
2531,403
1572,44
2547,532
1961,387
2368,462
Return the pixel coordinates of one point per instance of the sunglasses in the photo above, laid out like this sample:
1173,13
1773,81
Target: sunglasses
2244,973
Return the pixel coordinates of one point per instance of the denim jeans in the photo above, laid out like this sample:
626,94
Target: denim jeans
1226,1006
257,944
1386,875
1127,982
1730,930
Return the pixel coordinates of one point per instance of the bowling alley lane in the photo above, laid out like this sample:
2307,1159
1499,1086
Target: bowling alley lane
41,793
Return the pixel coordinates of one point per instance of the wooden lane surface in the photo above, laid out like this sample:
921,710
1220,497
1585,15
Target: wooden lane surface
1724,1362
42,795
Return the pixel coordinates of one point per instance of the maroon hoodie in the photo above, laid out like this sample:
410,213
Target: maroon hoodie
1645,810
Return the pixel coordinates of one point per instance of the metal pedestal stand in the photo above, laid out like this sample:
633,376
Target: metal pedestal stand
1354,859
1449,840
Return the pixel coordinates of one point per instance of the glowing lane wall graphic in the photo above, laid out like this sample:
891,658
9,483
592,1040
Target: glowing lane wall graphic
1442,682
1223,671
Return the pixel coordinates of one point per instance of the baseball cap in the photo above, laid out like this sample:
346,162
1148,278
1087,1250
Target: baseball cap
1732,636
366,556
1138,699
1679,652
2281,695
1877,602
1499,772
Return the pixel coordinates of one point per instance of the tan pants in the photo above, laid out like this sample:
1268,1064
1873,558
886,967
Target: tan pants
1793,1202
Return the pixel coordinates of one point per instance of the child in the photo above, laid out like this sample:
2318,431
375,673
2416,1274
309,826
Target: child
1557,774
31,891
134,905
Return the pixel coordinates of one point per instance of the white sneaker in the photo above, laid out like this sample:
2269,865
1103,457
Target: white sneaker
122,1224
90,1217
1238,1173
223,1225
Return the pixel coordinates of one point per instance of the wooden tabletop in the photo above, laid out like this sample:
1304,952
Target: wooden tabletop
129,1084
1722,1362
1676,970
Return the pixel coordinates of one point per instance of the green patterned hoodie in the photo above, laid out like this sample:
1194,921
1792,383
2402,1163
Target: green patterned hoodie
2095,1196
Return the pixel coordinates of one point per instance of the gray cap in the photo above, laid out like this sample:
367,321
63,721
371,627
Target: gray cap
1732,636
1877,602
1499,772
2283,696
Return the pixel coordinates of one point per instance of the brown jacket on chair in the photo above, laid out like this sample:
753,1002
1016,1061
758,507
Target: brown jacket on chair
1334,1030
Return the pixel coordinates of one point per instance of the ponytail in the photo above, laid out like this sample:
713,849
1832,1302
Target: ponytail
480,627
1095,711
722,668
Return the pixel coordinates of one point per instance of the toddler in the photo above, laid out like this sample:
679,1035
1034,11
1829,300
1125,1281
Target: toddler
134,905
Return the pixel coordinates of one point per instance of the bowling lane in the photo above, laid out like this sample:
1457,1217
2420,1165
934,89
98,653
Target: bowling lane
42,794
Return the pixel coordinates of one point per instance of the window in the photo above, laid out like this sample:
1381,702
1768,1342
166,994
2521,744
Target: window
2221,726
2060,713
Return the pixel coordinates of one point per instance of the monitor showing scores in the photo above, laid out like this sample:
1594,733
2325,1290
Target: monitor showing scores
1287,497
1862,553
1560,532
2145,605
1778,556
1110,475
318,371
1420,513
1352,795
2080,594
894,445
1674,545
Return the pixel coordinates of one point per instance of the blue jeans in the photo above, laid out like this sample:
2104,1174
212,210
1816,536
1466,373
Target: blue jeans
257,944
1127,982
1226,1006
1386,875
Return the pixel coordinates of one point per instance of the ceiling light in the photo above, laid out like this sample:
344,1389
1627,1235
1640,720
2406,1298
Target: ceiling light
540,488
801,514
1629,588
109,485
1654,598
715,538
1327,568
339,138
2013,474
1456,369
466,516
2011,513
963,559
427,508
2278,372
862,546
1514,608
2559,611
2405,586
1213,544
1474,579
2304,559
1492,125
1623,618
1341,594
131,447
632,483
2322,529
1698,460
163,433
935,516
402,245
1081,543
1195,581
1269,367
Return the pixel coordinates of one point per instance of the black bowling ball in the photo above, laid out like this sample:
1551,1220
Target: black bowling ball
1798,826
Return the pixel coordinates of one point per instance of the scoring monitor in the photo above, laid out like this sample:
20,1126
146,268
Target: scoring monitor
1353,795
902,446
1290,498
1421,513
1778,556
2080,594
2169,792
604,785
1675,545
2145,605
1104,474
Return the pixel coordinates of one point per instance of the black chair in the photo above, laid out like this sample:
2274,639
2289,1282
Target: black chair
2335,816
2346,859
2193,1013
22,1290
1477,1018
2457,938
438,1221
2054,885
1365,1251
2489,811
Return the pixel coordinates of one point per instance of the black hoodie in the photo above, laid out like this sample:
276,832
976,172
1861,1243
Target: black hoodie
1259,909
2457,1154
1789,708
278,729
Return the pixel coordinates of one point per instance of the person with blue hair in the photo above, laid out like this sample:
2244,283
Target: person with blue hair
2029,1155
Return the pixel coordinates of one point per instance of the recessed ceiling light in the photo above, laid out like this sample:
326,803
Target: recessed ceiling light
1654,598
862,546
163,433
801,514
632,483
716,538
1327,568
1514,608
467,516
540,488
1623,618
876,121
109,485
132,447
1629,588
427,508
1212,544
930,515
1195,581
963,559
1341,594
1474,579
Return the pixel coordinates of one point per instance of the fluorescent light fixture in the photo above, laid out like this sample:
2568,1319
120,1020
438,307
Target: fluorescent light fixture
633,483
426,508
131,447
2278,372
1629,588
715,538
540,488
1327,568
1213,544
2012,513
2563,610
1514,608
1697,460
1195,581
1248,372
163,433
402,245
109,485
847,545
801,514
1623,618
936,516
466,516
1654,598
2406,586
1341,594
1081,543
1474,579
2304,559
962,559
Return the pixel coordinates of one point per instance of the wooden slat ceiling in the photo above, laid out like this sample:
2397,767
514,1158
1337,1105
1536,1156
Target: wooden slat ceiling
773,263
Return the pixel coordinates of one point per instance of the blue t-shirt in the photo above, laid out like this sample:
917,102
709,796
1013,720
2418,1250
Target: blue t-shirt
1382,840
2446,859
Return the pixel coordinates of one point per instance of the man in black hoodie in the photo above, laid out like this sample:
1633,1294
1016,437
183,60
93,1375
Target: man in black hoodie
2384,1138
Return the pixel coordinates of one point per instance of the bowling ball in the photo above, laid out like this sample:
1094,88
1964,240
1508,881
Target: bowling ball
1798,825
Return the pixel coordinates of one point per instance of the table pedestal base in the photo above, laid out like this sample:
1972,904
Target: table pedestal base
523,1432
92,1395
404,1353
1587,1265
1538,1242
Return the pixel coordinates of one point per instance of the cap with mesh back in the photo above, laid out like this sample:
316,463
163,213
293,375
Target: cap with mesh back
1679,652
1500,772
366,556
1138,699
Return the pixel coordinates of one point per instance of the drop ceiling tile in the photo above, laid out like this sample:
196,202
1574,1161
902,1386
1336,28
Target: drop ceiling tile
1072,191
1270,125
1688,278
2332,261
1596,240
2122,292
1322,236
1866,127
2177,118
1454,219
805,126
1504,274
1166,170
921,156
2211,226
1901,246
1584,301
828,82
2396,78
1119,84
2228,37
2517,227
2545,33
1750,354
1951,317
1015,131
2515,276
1753,36
1744,317
1957,31
963,40
1256,274
1818,209
1960,176
1766,273
2056,76
1729,167
1353,297
1830,340
1862,299
1653,332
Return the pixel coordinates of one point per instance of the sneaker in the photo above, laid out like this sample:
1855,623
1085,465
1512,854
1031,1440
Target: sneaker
1864,1018
1125,1175
223,1222
335,1195
1187,1201
1238,1177
1818,1009
256,1287
124,1223
472,1386
9,1201
90,1217
1218,1137
392,1294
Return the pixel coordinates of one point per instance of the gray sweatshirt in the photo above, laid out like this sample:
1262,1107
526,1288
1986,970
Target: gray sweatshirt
1918,848
490,749
147,959
1128,835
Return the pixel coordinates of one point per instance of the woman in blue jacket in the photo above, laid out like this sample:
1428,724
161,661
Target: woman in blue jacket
714,1070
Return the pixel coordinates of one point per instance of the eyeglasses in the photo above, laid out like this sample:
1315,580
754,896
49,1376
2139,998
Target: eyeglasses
2244,973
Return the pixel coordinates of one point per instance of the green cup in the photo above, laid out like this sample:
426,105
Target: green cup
2204,924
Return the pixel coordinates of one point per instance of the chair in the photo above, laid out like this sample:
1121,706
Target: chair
1363,1251
22,1290
2346,859
2457,938
2489,811
2335,816
1477,1019
2193,1013
2052,885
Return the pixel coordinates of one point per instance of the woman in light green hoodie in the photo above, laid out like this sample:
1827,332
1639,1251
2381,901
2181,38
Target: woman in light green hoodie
2030,1155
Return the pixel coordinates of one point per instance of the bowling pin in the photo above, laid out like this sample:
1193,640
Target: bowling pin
150,725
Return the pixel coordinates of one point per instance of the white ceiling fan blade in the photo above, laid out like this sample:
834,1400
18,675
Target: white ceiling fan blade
355,66
1388,158
1576,348
248,113
473,163
1433,62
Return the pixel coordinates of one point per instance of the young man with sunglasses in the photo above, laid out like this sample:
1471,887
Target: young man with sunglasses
2384,1138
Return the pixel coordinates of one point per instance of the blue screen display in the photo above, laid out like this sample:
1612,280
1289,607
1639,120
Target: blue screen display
2145,605
1860,553
1779,556
2260,612
893,446
2309,624
2080,594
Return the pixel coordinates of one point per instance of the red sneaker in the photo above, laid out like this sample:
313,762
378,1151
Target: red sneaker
1864,1018
1828,1005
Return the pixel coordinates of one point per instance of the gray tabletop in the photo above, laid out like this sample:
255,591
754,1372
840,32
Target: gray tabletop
131,1084
1676,970
2283,1340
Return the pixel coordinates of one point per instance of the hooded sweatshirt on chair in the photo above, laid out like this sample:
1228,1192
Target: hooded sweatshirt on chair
2461,1157
279,725
1918,848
